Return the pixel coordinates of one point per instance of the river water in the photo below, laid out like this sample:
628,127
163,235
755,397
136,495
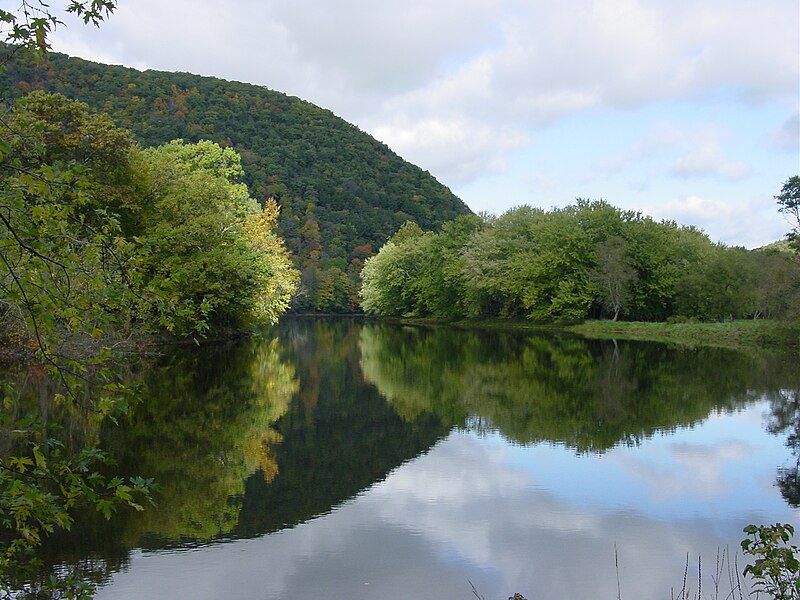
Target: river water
338,458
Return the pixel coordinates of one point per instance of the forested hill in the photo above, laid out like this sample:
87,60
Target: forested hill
342,192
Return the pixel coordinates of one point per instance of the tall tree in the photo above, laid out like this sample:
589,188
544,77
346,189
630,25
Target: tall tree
789,203
613,275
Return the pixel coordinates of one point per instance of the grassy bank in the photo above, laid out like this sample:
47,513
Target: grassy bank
728,334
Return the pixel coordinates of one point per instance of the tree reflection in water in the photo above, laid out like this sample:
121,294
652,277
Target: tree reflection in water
784,419
252,437
587,395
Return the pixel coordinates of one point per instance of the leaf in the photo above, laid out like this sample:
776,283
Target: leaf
40,459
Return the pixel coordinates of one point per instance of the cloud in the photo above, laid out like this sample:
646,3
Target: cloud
750,222
454,146
488,67
787,136
706,160
702,469
694,209
694,151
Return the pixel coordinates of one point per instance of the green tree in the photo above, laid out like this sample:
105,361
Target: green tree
62,277
789,204
586,259
613,275
206,252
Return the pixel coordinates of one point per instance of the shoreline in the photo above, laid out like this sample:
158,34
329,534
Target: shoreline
743,334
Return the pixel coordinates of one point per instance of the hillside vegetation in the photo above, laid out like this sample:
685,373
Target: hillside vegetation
341,192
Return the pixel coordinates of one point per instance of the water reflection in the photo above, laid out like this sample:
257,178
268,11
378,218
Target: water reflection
784,418
589,396
344,459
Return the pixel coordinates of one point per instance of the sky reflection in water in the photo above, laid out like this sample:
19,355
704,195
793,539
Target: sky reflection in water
541,517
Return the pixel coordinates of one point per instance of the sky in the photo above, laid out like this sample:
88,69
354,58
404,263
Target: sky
687,110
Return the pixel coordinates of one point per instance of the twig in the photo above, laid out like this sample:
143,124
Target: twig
475,592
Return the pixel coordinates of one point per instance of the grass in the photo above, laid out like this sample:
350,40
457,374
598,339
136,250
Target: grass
728,334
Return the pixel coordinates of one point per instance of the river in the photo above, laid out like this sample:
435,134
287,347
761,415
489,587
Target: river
341,458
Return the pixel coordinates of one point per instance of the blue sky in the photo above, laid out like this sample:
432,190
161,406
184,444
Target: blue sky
686,110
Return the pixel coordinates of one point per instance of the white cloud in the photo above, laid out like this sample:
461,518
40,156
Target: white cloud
703,469
505,65
750,223
694,209
452,145
695,151
706,160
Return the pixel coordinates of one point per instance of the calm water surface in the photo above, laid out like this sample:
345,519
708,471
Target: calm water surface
345,459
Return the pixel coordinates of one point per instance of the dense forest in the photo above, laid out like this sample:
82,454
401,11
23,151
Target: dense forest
341,192
588,260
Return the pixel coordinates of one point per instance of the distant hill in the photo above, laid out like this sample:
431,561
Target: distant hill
342,192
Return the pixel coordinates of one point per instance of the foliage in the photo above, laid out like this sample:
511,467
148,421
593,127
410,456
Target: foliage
164,236
342,193
789,202
63,250
63,287
206,252
98,237
275,277
585,260
40,490
418,273
31,24
60,251
776,568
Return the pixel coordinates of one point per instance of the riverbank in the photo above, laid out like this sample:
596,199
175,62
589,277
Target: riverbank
729,334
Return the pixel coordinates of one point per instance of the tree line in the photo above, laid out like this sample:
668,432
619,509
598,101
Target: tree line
587,260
